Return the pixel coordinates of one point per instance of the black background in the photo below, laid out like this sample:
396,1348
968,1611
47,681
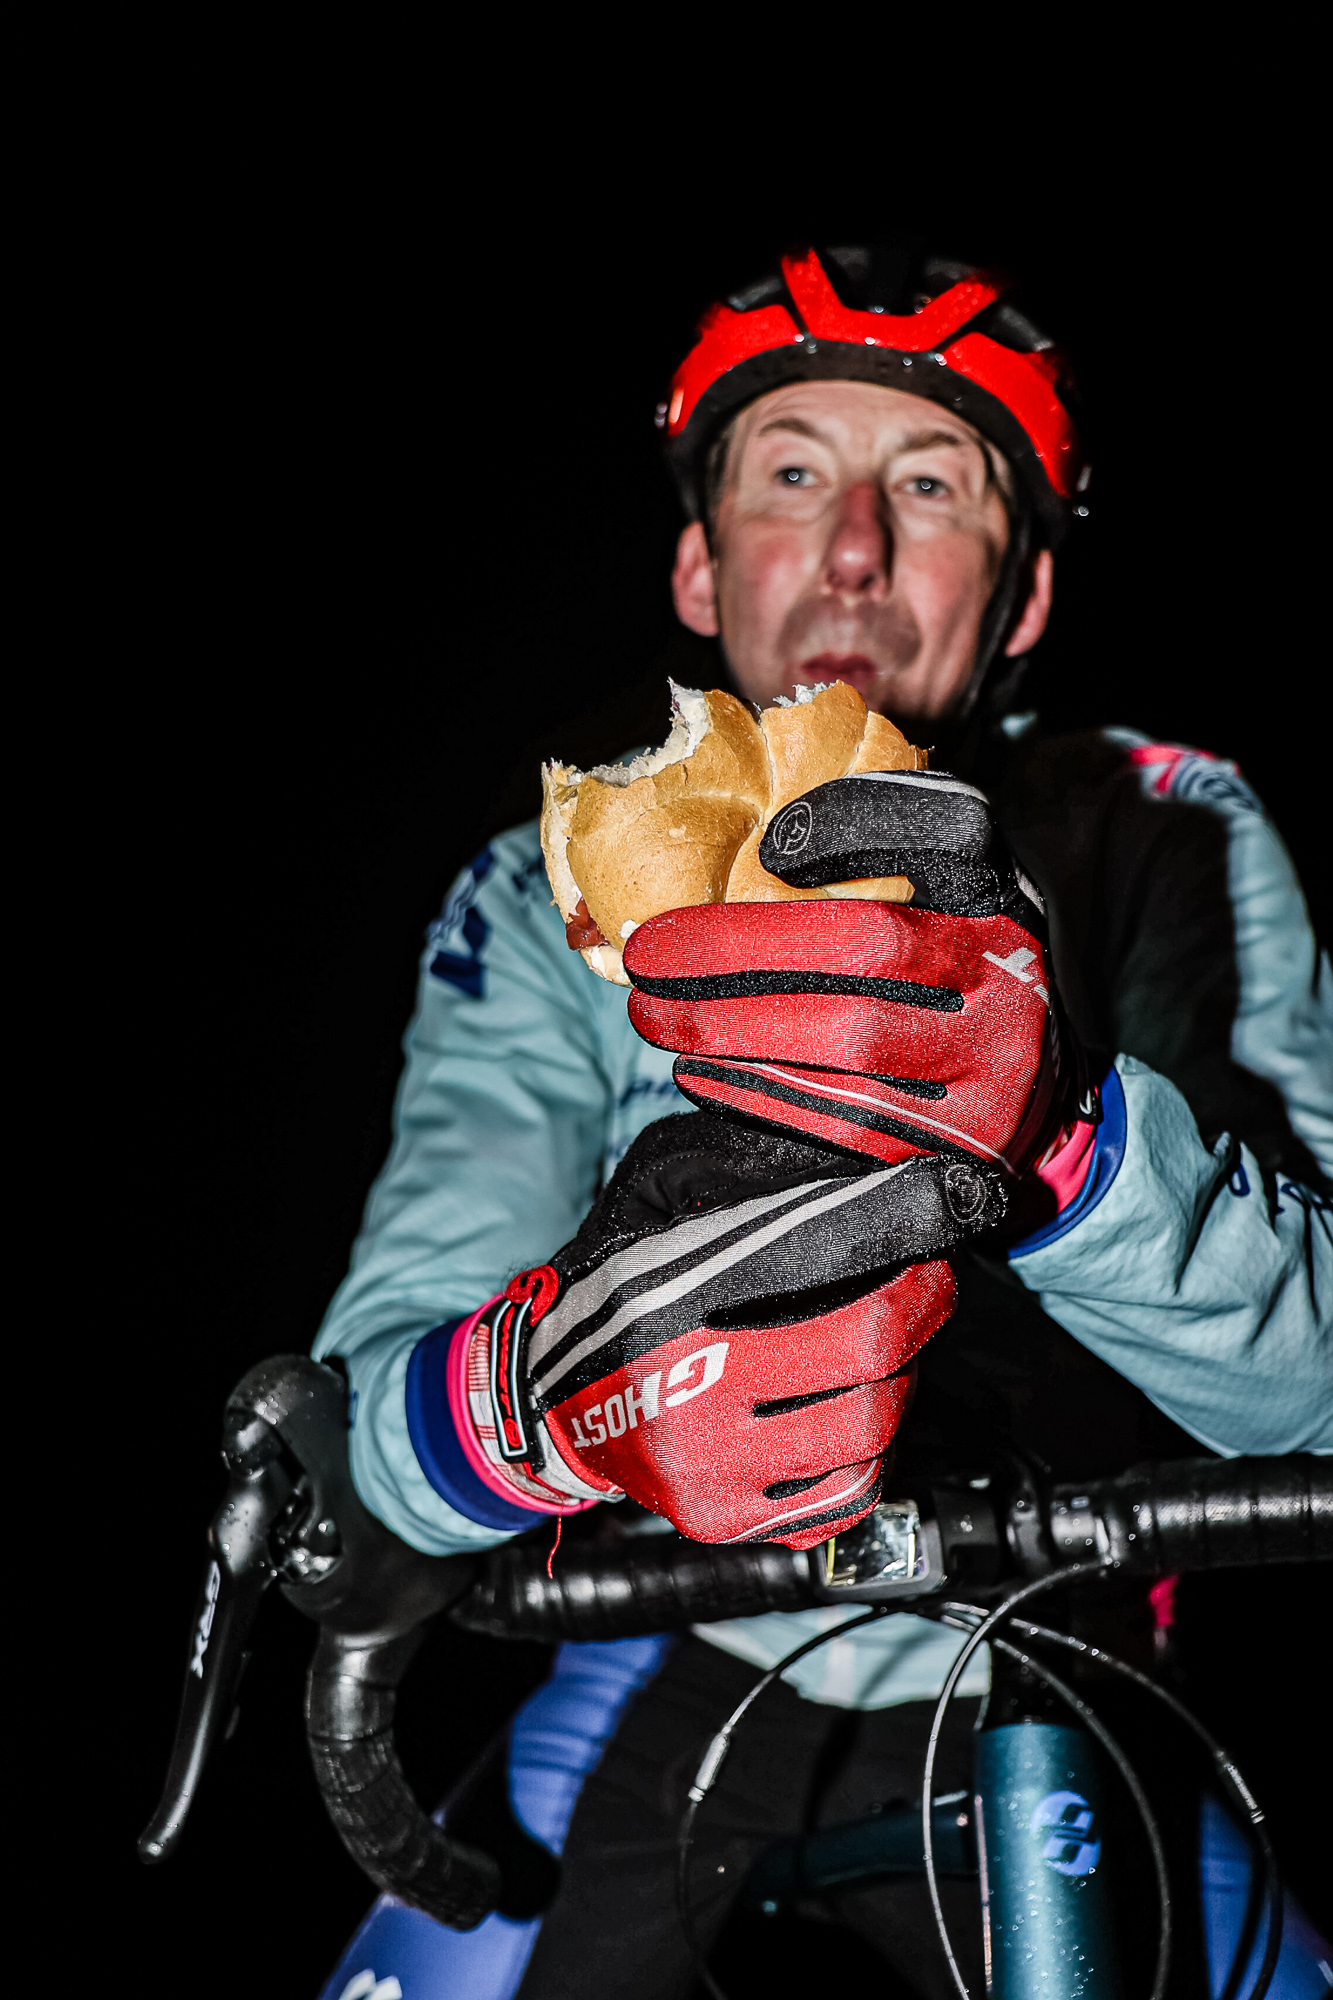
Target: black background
364,512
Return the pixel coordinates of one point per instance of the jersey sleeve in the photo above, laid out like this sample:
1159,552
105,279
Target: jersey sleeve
1177,1268
499,1132
1190,1265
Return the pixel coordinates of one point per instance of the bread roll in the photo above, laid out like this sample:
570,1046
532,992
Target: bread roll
682,824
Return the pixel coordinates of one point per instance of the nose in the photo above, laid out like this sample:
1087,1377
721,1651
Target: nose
860,549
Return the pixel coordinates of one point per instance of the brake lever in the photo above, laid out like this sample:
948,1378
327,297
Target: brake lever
291,1515
261,1490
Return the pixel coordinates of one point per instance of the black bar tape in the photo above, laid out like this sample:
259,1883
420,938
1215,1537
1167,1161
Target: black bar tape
1201,1513
630,1588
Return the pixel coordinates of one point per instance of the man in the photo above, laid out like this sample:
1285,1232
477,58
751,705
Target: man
879,460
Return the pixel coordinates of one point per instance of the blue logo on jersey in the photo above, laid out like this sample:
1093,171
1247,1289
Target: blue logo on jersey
647,1086
460,932
1200,781
531,871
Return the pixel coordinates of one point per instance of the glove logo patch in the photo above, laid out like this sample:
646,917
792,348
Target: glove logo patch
1016,965
714,1359
790,831
620,1413
964,1190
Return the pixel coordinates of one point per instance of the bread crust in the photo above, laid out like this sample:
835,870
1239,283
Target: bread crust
683,825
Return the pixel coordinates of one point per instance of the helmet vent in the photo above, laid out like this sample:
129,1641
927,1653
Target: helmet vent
768,291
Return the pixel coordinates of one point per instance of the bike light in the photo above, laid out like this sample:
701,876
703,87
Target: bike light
894,1554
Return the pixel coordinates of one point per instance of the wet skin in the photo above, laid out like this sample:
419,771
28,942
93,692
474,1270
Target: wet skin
858,537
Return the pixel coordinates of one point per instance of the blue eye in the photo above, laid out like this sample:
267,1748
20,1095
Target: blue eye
927,485
793,475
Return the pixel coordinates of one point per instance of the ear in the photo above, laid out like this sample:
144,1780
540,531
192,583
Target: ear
1037,609
692,587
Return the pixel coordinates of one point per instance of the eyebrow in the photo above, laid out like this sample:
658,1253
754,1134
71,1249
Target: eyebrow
919,441
922,440
796,424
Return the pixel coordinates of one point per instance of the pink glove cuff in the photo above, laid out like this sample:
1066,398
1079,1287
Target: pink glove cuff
1066,1169
467,1376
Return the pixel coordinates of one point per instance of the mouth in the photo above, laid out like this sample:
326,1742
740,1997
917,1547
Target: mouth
854,668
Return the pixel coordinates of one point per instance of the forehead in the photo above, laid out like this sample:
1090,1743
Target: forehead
854,416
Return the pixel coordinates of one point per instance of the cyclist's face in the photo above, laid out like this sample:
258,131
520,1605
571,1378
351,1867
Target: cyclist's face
859,535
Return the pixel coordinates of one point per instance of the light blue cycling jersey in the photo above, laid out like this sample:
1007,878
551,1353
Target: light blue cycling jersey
524,1084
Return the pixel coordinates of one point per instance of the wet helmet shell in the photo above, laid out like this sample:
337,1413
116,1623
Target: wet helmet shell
935,328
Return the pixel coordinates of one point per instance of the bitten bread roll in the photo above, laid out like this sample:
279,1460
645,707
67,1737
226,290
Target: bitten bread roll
682,824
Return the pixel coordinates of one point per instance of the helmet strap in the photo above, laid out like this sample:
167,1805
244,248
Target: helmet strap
994,677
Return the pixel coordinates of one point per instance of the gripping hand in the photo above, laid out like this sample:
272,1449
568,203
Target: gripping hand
728,1338
890,1029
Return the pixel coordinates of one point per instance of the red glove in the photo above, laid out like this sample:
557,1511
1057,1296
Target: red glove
728,1338
892,1030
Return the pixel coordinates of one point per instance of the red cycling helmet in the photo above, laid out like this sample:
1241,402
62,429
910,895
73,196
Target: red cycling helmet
937,329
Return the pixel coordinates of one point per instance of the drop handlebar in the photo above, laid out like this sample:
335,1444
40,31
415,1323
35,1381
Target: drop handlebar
291,1516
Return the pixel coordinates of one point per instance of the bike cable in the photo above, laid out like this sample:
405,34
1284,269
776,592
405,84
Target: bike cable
710,1770
1228,1773
1096,1727
978,1634
978,1637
